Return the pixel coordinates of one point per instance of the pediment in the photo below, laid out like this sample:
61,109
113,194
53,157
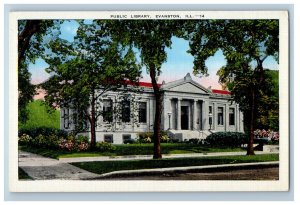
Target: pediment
189,87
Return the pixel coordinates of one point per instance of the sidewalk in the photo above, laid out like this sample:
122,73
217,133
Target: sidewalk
43,168
145,157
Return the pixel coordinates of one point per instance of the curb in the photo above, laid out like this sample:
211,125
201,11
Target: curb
184,169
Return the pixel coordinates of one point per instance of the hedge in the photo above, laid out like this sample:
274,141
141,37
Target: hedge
231,139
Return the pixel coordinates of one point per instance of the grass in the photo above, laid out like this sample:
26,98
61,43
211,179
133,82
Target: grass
39,117
109,166
22,174
133,149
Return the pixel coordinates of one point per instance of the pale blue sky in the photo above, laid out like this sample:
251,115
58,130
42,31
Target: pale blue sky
178,64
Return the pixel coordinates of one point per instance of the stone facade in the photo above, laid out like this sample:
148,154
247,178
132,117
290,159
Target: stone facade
189,111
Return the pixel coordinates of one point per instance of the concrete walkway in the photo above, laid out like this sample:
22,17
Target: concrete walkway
144,157
43,168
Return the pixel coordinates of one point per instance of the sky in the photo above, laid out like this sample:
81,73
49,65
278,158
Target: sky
178,63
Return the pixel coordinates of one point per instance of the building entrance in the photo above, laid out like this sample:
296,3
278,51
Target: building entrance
184,117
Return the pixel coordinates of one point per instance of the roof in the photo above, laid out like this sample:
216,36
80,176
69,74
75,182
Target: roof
222,92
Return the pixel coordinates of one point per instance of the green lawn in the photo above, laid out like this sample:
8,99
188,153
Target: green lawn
39,117
133,149
22,174
109,166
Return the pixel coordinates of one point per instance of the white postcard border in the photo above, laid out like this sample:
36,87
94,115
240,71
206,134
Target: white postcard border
154,186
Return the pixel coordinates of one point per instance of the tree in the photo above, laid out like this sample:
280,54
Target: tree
31,45
82,72
151,37
245,44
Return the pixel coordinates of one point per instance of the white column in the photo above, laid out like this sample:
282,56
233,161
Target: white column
194,115
179,114
172,115
215,116
237,118
226,117
205,125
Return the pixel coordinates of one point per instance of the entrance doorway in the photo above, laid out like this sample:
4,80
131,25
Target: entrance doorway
184,117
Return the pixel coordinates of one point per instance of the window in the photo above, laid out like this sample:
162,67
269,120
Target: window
66,118
126,111
126,138
210,109
220,116
142,112
108,138
107,111
231,116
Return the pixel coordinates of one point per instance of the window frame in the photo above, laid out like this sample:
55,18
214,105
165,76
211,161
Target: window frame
233,115
108,135
126,114
140,111
222,108
66,118
105,111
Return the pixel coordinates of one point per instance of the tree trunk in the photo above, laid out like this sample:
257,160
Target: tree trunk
250,149
93,123
158,107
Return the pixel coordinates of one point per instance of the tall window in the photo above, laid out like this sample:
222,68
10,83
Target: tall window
126,111
220,116
107,111
231,116
66,118
142,112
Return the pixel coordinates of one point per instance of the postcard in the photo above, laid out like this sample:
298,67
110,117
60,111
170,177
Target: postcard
148,101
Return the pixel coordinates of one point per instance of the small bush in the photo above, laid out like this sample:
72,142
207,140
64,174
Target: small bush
164,139
145,137
230,139
105,147
25,139
148,137
67,144
40,141
83,146
129,141
81,139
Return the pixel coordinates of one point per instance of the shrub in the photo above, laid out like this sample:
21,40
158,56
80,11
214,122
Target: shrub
105,147
194,141
25,139
39,141
129,141
81,139
231,139
164,139
83,146
145,137
45,131
67,144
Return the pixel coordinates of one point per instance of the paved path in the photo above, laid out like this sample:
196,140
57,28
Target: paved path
143,157
42,168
